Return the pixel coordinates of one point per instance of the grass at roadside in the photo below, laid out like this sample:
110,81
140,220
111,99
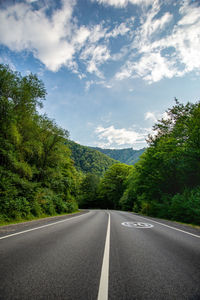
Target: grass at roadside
192,225
21,220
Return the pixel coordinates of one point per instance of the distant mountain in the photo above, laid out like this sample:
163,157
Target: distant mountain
127,156
89,160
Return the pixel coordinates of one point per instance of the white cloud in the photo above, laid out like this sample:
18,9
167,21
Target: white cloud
6,60
31,1
81,75
103,83
95,56
23,28
88,84
153,67
184,40
96,52
81,36
107,85
160,55
156,49
121,29
123,3
125,72
55,40
151,26
150,116
111,136
155,116
97,32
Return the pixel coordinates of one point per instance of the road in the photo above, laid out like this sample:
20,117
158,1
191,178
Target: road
93,255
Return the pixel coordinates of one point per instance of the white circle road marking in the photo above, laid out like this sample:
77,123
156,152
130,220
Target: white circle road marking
137,225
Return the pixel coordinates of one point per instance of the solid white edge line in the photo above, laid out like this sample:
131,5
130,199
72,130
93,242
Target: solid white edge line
171,227
43,226
103,286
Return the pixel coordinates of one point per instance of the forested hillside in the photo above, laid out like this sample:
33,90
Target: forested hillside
89,160
127,156
37,176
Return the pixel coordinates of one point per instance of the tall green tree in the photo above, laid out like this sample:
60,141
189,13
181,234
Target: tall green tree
171,164
37,173
89,191
112,185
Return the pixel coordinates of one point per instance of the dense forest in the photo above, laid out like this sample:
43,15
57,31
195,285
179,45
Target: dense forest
37,175
89,160
43,173
127,156
166,181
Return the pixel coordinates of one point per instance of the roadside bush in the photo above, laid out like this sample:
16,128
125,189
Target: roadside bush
186,207
45,197
59,204
71,206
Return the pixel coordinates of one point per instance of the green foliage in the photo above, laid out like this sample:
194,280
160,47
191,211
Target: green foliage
112,185
89,160
37,173
127,156
164,181
185,207
89,191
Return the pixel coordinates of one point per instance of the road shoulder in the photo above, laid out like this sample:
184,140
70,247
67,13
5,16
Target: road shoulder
14,228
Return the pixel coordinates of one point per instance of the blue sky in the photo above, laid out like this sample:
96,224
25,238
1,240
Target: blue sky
111,67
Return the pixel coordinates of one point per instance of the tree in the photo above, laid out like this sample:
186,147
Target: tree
112,185
88,191
170,165
37,173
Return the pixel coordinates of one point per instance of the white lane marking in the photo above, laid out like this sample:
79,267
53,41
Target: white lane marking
103,286
198,236
36,228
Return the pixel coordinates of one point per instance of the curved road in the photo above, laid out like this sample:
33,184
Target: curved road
92,255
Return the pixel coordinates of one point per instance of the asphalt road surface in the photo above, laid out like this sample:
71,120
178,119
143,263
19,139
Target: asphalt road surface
99,255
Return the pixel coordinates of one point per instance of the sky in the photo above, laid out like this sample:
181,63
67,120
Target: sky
111,68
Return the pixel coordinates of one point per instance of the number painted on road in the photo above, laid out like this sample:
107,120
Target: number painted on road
137,225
